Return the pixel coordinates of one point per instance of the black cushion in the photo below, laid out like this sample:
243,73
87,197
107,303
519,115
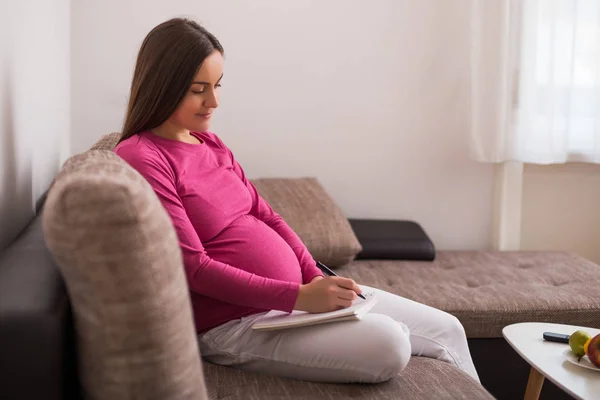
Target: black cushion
392,240
37,354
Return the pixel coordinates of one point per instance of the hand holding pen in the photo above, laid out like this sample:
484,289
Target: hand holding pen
327,294
325,269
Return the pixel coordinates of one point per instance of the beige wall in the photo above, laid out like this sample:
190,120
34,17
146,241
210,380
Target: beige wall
369,97
561,209
372,99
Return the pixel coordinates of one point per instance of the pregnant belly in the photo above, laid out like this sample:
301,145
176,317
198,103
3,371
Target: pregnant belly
249,244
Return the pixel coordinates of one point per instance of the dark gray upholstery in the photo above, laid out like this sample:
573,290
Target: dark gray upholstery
36,346
392,240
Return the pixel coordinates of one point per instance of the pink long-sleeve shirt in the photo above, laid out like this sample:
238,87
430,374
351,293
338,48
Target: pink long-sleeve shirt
240,257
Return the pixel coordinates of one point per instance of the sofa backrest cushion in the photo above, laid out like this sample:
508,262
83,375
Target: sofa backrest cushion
306,206
120,258
107,142
313,214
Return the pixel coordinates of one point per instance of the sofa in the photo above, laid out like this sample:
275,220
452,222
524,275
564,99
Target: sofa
41,340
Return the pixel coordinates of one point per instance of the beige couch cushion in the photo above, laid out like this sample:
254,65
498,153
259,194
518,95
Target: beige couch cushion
107,142
305,206
120,258
489,290
422,379
313,215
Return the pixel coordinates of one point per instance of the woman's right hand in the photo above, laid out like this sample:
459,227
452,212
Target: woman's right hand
327,294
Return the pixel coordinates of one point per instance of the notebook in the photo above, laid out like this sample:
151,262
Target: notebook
281,320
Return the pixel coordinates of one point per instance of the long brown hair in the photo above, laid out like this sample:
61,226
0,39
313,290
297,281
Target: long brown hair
166,65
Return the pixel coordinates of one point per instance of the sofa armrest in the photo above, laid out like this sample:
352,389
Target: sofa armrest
36,338
392,240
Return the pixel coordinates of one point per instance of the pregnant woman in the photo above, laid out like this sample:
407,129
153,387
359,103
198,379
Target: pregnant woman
241,259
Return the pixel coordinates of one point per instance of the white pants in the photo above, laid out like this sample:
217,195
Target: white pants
372,349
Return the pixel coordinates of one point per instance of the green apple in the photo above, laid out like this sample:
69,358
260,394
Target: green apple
577,341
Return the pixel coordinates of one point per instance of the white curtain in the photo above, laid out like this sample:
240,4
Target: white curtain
535,74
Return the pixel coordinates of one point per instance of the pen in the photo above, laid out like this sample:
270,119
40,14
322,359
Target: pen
329,272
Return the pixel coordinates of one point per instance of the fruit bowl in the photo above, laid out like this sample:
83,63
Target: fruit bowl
584,362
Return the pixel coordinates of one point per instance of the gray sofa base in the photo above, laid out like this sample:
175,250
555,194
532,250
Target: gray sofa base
38,347
38,351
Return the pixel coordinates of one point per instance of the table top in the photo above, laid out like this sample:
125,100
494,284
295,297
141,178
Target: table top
548,358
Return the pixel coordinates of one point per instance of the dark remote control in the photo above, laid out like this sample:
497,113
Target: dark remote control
556,337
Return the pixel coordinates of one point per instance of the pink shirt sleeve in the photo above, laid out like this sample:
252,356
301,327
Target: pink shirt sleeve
205,275
264,212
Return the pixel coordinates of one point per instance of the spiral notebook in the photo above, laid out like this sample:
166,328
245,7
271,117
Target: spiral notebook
282,320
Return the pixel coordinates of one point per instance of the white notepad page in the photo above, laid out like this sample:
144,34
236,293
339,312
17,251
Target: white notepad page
281,320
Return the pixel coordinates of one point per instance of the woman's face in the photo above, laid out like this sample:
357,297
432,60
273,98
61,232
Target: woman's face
195,110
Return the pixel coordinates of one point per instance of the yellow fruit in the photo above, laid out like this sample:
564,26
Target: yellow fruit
585,346
577,340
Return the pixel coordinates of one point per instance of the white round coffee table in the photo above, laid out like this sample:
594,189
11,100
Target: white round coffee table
548,361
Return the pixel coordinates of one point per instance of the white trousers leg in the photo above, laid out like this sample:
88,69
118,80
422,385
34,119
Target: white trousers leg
433,333
373,349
